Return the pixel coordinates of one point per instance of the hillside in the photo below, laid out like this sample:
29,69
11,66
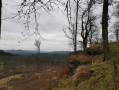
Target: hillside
4,53
90,72
20,52
30,52
87,71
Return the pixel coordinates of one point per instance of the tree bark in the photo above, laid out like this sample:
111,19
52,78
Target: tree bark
115,74
0,15
105,28
75,40
84,43
117,35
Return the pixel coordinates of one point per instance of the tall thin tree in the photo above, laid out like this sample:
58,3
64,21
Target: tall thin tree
0,15
38,44
77,9
105,28
73,22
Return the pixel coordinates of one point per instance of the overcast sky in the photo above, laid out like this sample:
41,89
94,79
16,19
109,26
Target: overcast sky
50,28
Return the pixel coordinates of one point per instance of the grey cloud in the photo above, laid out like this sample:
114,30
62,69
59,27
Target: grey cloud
50,28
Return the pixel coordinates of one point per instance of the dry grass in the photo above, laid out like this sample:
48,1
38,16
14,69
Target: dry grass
50,77
94,76
83,58
100,79
81,74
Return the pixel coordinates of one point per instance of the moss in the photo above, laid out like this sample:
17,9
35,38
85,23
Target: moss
102,73
92,70
95,49
103,79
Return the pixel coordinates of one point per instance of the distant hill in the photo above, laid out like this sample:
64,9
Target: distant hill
28,52
20,52
4,53
60,52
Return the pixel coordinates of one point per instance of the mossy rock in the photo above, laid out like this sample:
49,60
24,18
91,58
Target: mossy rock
75,63
95,49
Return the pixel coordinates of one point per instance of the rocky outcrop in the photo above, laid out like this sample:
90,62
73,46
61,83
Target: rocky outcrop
75,60
74,64
91,54
95,49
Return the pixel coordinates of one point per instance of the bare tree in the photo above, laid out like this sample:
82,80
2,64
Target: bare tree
116,13
72,17
38,44
94,32
116,24
71,35
86,26
31,10
75,39
116,30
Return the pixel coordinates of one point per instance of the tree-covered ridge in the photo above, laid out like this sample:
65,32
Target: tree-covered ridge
4,53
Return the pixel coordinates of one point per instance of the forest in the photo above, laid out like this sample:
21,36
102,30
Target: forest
92,31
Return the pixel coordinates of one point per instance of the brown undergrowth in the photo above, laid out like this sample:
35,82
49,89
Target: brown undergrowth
50,77
96,75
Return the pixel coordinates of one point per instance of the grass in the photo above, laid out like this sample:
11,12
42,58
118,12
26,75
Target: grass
6,79
49,78
101,79
94,76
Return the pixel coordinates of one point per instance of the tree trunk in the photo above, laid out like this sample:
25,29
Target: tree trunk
0,15
115,74
115,68
84,44
91,35
117,35
105,28
77,9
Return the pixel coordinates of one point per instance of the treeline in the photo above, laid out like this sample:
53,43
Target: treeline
5,53
11,65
